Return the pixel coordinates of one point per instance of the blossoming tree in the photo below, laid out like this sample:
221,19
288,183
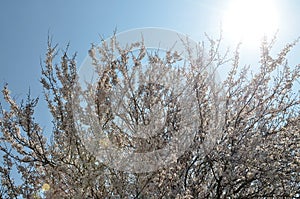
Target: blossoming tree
256,153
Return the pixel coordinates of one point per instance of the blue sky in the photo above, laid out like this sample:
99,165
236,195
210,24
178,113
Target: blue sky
25,25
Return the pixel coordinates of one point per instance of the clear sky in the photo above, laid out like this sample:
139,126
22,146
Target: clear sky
24,26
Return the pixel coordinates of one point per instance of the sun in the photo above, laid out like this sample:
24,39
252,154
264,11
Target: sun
249,21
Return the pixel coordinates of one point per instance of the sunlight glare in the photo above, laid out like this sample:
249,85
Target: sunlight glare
249,21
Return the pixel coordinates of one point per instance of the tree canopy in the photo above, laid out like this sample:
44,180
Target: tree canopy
243,133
